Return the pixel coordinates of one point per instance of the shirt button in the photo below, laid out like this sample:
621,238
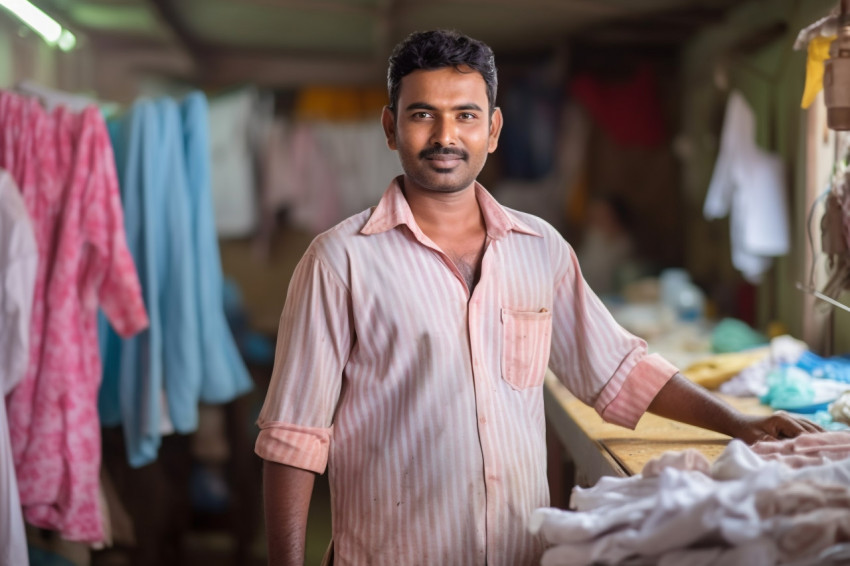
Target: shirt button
482,420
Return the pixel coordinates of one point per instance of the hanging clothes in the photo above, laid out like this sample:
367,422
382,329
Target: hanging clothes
223,375
237,122
629,111
18,267
154,381
64,166
321,172
166,358
528,144
52,98
748,184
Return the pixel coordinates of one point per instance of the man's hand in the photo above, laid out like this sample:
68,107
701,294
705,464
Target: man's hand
684,401
777,426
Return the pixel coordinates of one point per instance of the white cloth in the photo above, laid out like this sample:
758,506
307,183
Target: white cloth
356,152
239,123
748,184
739,509
18,264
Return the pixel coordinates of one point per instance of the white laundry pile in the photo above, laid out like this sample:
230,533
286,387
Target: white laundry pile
741,510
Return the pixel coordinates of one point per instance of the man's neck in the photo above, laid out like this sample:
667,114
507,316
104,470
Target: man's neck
440,215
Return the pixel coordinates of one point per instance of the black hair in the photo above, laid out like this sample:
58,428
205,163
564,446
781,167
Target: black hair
436,49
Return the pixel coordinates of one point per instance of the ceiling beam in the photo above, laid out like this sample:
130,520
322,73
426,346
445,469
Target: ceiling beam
324,6
281,71
196,48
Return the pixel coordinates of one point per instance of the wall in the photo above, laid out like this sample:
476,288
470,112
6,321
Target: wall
25,56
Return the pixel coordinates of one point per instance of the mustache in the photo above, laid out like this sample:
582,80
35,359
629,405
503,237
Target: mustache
432,151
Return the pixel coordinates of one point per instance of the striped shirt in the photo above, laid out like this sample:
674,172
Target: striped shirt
426,404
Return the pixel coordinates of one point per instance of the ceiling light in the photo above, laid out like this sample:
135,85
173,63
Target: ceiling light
41,23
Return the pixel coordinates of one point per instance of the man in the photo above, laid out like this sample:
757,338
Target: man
414,342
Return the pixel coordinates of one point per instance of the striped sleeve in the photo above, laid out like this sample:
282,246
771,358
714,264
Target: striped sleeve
314,341
598,360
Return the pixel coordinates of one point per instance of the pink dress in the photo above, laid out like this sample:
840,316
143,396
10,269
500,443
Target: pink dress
64,166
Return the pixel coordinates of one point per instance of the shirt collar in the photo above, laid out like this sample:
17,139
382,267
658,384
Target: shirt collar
393,211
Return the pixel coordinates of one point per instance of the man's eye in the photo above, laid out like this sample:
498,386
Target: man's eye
421,115
467,116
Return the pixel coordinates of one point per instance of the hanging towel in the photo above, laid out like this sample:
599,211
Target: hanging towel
18,265
748,184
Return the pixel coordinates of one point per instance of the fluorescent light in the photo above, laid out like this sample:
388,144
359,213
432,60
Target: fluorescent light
67,40
41,23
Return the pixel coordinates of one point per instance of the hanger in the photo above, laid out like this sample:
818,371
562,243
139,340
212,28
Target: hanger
815,293
50,98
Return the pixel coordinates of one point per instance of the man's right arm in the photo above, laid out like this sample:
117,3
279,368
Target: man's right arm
286,496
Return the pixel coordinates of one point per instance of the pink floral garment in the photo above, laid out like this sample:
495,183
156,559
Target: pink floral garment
64,166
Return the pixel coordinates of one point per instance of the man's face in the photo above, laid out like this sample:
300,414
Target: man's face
442,130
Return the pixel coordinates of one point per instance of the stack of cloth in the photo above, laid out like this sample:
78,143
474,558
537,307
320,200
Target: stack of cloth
778,502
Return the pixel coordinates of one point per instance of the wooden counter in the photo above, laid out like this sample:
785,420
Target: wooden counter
598,448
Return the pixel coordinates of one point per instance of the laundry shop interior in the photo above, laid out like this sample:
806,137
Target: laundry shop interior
165,164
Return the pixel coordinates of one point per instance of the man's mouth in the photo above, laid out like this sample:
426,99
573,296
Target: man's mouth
444,158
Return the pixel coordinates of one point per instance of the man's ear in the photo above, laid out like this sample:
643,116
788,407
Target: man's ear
388,122
495,130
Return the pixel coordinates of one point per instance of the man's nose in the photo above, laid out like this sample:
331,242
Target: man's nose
444,133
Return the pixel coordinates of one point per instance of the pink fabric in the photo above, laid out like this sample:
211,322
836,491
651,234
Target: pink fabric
64,166
426,401
806,449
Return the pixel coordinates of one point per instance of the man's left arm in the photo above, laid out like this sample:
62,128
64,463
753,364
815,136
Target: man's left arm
684,401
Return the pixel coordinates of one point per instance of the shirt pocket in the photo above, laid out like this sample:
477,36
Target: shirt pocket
526,342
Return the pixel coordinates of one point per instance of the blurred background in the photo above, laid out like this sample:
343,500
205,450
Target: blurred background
614,127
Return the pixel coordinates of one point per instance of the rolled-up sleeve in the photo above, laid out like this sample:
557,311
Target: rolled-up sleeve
624,401
313,345
600,362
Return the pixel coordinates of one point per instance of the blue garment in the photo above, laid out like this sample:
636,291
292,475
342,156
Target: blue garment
150,159
225,376
836,368
133,367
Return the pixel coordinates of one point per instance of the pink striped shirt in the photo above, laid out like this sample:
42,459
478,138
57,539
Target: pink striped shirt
425,403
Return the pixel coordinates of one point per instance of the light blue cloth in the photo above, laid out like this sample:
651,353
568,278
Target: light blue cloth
132,369
188,353
225,376
148,144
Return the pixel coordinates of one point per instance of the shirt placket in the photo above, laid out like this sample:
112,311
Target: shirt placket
482,375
